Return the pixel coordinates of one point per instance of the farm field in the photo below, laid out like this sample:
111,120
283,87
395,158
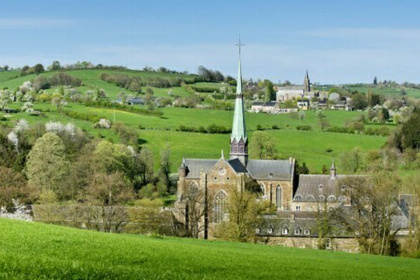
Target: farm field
40,251
315,148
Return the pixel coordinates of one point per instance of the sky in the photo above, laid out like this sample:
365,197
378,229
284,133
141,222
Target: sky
337,41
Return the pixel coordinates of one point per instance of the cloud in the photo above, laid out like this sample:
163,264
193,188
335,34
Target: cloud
30,23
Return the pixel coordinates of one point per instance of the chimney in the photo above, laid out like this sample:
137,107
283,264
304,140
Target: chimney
333,171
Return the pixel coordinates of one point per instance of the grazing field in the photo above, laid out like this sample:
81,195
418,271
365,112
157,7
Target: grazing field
39,251
315,148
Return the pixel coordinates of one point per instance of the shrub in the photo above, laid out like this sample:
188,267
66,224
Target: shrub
304,127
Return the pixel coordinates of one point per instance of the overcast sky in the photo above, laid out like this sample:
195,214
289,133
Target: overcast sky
338,41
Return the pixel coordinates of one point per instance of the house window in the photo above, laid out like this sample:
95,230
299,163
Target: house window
227,178
297,231
219,206
331,198
307,232
321,198
285,231
310,198
297,207
278,197
298,198
270,230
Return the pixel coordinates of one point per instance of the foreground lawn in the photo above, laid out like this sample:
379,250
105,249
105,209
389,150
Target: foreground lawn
38,251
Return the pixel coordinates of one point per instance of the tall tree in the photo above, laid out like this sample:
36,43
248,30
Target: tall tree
47,164
263,146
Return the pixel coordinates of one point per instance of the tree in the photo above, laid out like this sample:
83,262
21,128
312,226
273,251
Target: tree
351,161
244,217
54,66
13,186
6,68
323,121
145,166
165,166
38,69
375,81
270,93
410,132
109,192
374,201
47,164
111,158
359,101
263,146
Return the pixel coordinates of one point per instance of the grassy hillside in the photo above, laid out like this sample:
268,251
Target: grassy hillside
308,146
38,251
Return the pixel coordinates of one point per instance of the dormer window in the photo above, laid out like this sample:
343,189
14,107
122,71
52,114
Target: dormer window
307,232
285,231
298,198
321,197
270,230
298,231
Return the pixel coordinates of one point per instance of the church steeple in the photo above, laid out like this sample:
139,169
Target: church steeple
306,83
239,138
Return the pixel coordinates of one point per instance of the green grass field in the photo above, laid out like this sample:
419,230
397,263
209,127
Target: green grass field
39,251
306,146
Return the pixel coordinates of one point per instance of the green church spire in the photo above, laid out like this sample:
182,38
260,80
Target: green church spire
239,138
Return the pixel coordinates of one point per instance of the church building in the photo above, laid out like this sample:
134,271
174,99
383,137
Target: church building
216,179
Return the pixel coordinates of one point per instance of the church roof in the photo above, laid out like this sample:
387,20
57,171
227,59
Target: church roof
195,166
237,165
266,169
314,185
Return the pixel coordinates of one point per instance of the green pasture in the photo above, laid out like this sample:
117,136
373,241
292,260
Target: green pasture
39,251
311,147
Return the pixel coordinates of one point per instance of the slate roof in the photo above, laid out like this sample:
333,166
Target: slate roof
309,187
266,169
196,165
237,165
258,169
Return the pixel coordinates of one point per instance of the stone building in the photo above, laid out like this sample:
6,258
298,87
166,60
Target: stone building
215,179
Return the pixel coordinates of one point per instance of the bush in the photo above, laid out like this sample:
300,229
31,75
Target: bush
304,127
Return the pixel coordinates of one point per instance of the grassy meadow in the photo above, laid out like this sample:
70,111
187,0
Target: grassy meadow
40,251
315,148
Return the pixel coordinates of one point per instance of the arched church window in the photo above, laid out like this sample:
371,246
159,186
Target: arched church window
278,196
219,206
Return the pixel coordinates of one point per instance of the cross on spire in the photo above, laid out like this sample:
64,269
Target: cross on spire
239,44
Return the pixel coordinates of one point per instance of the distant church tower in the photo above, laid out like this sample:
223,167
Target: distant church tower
306,83
239,138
